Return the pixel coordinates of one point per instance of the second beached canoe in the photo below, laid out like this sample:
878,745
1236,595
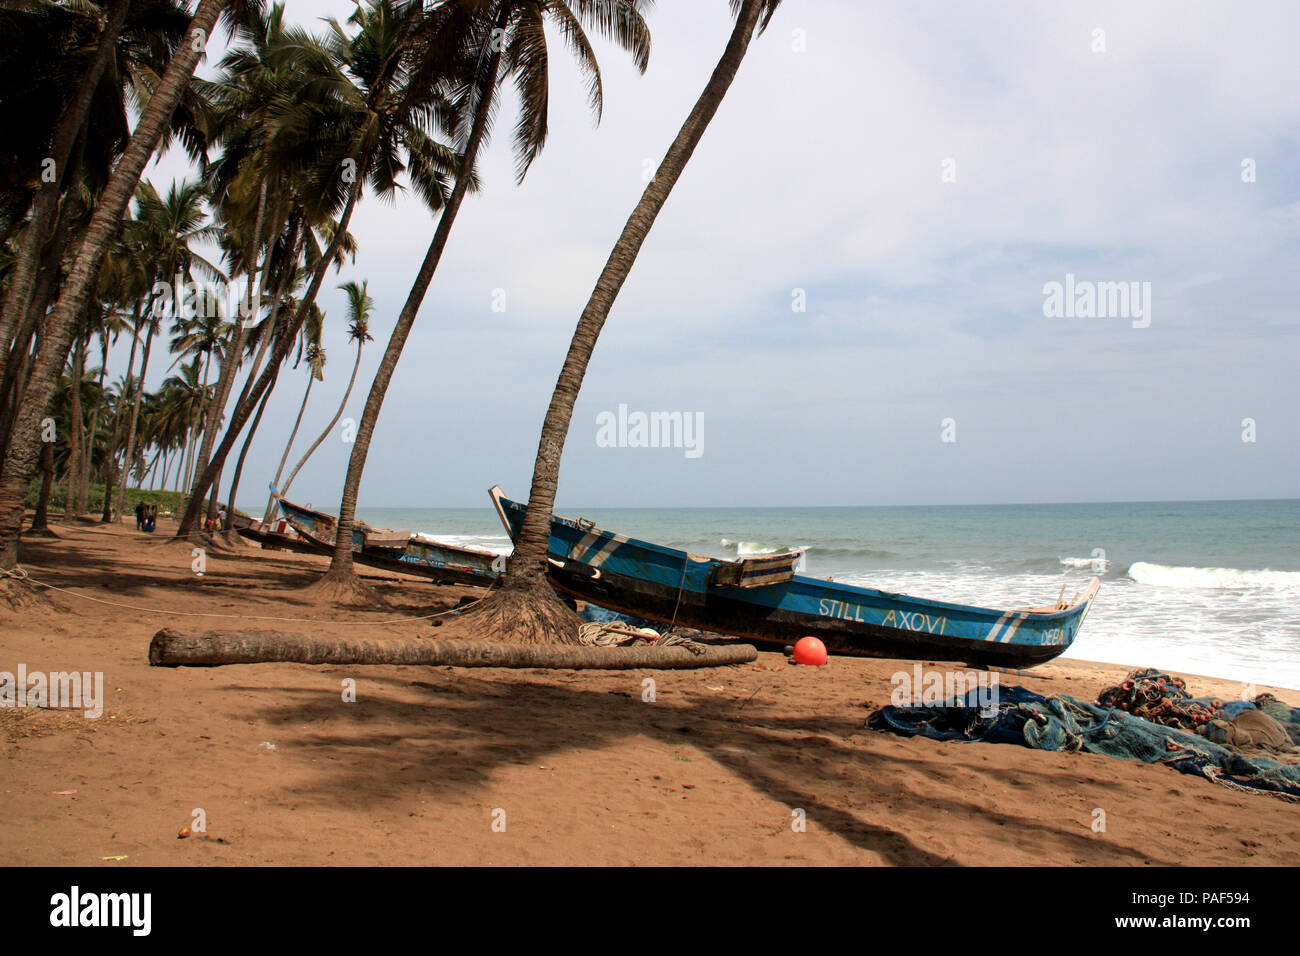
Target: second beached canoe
764,599
402,551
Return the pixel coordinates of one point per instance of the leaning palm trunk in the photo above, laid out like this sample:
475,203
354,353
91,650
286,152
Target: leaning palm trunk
297,423
24,445
23,277
328,428
111,452
92,433
340,578
198,417
235,343
526,609
135,415
13,381
231,498
214,648
71,506
244,409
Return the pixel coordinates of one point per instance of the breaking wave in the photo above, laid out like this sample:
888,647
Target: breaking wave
748,549
1162,575
1101,563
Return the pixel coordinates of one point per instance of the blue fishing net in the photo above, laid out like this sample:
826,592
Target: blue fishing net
1063,723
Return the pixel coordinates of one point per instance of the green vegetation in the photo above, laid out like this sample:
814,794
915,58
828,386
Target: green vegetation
168,502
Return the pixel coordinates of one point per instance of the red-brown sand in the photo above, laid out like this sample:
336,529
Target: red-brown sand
579,768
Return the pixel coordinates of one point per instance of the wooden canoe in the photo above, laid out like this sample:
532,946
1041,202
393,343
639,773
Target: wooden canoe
401,551
766,600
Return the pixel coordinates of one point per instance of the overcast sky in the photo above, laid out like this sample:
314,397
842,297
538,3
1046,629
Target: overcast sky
921,172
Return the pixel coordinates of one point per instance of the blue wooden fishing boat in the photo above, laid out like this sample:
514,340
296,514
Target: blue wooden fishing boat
402,551
764,599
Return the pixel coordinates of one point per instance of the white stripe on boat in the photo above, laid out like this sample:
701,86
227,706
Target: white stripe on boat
610,547
993,634
581,547
1006,637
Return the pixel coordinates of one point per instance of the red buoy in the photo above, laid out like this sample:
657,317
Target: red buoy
809,650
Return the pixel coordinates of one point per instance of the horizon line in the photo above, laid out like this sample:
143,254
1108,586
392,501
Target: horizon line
969,504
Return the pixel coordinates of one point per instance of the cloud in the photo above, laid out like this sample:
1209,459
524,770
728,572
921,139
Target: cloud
823,171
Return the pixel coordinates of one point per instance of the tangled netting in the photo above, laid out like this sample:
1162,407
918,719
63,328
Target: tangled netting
1244,745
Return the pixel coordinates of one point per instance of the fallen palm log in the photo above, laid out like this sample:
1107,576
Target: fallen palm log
214,648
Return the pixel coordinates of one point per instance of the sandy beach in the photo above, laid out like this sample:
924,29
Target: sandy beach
578,768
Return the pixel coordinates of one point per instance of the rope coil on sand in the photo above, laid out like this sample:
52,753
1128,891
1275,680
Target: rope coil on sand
619,634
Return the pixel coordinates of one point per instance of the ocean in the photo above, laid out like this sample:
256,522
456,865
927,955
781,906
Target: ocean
1205,587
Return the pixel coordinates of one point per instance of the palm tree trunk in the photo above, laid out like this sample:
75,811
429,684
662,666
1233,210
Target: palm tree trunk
311,379
243,453
295,245
110,453
41,519
105,222
13,382
197,420
23,277
135,413
328,428
71,506
235,344
151,472
340,569
183,474
524,592
93,432
244,409
213,648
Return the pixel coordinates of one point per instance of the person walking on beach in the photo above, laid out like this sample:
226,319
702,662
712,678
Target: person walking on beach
139,516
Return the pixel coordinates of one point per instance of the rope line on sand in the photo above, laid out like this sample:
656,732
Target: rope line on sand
22,575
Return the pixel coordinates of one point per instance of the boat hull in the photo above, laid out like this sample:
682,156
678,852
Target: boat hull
441,563
674,587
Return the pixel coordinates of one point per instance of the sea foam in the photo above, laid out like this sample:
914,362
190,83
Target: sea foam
1100,563
1162,575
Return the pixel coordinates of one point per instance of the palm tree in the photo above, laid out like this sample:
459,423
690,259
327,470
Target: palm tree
349,129
360,305
113,324
61,325
159,240
315,356
505,39
128,56
526,609
77,373
199,337
62,139
182,399
276,62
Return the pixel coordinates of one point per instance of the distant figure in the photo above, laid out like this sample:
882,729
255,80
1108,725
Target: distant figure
221,517
150,518
139,516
